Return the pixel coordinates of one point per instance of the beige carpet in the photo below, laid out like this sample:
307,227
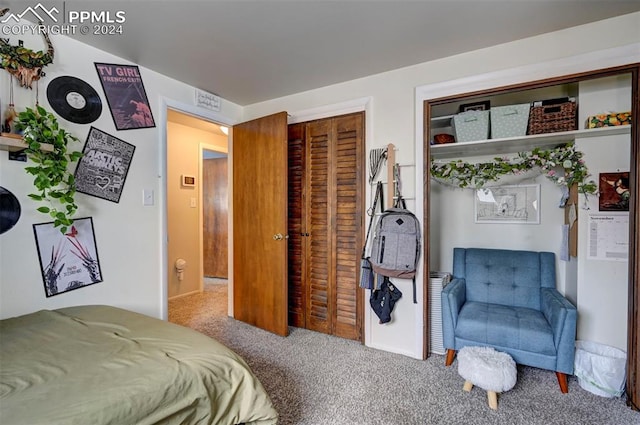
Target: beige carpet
196,309
317,379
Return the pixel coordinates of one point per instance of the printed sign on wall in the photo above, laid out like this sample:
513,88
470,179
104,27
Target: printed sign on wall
104,165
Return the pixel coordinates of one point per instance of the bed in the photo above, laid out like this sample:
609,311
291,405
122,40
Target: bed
104,365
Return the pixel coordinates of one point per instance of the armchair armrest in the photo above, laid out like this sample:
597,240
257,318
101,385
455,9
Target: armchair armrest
562,317
453,296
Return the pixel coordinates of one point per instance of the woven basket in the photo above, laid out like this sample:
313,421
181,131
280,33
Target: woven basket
553,118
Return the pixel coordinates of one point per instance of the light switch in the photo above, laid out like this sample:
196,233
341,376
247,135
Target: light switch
193,203
147,197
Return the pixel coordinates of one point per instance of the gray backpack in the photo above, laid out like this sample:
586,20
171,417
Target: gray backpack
396,244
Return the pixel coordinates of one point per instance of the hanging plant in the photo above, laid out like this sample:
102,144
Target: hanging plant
54,183
466,175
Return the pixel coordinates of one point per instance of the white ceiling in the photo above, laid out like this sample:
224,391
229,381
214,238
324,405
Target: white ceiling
251,51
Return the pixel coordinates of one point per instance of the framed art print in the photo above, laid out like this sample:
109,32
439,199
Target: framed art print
68,261
614,191
104,165
127,99
508,204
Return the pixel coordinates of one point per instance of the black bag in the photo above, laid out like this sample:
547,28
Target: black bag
384,299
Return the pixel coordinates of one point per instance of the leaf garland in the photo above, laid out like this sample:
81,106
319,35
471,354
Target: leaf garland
466,175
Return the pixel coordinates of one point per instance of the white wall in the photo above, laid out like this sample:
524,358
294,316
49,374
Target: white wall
602,284
128,234
394,116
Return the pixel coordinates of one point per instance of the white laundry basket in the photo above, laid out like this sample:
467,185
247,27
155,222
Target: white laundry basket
600,369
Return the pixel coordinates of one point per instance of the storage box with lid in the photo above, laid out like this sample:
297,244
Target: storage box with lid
553,115
470,126
509,120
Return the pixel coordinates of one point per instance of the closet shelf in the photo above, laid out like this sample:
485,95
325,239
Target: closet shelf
13,143
521,144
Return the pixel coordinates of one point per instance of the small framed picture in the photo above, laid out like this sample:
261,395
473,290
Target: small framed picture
188,181
485,105
614,192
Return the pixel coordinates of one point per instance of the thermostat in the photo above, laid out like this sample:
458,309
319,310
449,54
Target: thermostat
188,181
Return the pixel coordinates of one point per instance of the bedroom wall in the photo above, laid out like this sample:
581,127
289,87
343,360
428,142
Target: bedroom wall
128,234
392,119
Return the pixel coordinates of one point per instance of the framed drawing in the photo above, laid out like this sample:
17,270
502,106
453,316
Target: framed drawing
127,99
508,204
485,105
104,165
614,192
67,261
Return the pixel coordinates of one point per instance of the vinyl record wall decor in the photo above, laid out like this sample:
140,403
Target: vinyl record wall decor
74,100
9,210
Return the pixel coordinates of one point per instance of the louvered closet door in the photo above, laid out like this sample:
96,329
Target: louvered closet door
297,229
348,215
319,181
326,159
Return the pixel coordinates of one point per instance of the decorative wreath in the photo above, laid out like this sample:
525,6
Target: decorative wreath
23,63
459,173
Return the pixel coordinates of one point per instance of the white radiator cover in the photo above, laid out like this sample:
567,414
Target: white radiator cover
437,281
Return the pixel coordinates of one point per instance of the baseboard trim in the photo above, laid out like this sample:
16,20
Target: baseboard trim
197,291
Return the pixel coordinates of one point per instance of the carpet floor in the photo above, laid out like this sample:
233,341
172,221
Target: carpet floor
317,379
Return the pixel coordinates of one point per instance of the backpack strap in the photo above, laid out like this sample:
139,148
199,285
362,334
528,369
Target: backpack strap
378,199
415,301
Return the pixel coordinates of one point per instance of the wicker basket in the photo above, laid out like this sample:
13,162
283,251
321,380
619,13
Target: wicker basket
553,118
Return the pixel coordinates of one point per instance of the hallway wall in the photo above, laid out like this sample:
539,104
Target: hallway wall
184,204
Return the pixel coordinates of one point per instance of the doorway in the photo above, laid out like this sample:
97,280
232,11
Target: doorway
215,215
194,147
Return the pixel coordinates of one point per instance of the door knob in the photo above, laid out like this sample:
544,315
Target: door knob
278,237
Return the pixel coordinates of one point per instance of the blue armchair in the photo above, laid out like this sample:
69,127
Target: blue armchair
508,300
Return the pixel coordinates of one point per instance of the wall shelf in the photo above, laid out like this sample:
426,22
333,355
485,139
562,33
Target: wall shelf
13,143
521,144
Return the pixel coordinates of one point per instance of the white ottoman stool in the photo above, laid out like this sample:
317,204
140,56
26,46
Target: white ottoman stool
487,368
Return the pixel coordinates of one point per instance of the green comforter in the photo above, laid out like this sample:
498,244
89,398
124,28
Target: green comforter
94,365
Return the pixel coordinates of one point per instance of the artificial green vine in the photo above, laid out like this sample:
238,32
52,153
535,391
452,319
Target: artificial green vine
53,181
463,174
15,57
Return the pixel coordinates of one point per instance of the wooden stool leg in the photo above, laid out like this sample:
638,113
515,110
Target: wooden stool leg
493,399
467,386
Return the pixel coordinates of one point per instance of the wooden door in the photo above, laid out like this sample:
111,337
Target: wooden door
260,223
215,217
325,223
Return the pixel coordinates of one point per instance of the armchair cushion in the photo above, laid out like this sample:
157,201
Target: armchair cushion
502,326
